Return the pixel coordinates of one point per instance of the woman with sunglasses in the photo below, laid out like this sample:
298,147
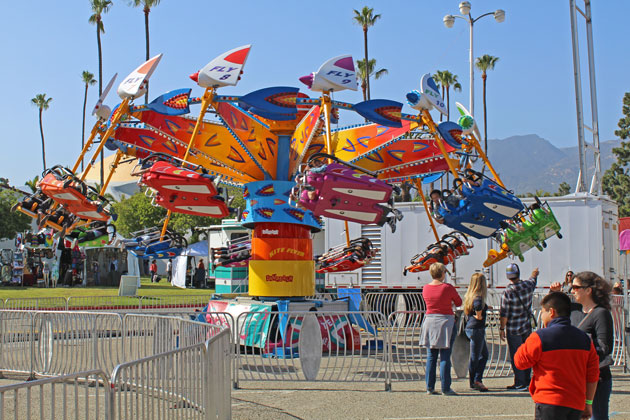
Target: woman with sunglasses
592,293
568,282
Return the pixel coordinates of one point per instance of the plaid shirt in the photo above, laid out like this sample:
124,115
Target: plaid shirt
515,311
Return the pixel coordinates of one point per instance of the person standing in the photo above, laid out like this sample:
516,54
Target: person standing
169,269
593,293
200,274
97,275
437,333
568,282
475,309
565,363
515,312
153,271
46,273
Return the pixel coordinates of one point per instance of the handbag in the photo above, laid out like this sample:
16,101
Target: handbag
530,315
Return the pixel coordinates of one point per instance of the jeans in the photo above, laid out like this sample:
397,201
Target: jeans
478,354
555,412
514,341
445,365
601,399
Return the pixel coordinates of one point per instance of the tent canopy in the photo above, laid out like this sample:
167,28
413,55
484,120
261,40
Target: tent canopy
199,249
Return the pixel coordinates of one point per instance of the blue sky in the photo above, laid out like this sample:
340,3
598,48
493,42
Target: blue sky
46,46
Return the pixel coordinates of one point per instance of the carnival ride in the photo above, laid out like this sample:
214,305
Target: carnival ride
280,147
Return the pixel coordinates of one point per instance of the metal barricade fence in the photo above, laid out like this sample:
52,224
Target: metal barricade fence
37,304
67,342
185,302
145,335
104,303
191,382
619,322
332,347
16,341
84,395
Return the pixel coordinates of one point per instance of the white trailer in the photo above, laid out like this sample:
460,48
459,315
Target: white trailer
590,242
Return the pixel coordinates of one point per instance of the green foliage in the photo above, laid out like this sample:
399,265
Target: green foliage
616,180
136,213
486,62
624,122
563,189
32,184
11,223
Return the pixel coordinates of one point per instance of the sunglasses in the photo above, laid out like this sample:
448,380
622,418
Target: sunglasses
574,287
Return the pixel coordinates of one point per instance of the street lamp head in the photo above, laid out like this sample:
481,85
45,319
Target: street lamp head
464,8
449,21
499,15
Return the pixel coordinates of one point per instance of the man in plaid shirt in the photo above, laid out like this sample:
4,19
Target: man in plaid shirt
516,304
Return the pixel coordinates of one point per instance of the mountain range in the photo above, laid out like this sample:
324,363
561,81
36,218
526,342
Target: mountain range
529,163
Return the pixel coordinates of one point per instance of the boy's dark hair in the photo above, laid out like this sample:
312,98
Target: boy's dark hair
558,301
435,191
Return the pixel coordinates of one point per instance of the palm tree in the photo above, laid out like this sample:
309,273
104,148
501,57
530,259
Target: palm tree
364,75
448,80
484,63
99,7
438,77
41,102
146,8
366,18
32,183
89,80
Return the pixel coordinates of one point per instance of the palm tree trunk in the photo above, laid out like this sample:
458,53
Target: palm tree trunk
146,34
367,74
100,83
485,117
364,89
83,125
41,133
448,103
442,115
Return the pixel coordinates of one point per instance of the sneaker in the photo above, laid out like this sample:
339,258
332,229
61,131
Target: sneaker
522,388
432,392
511,386
449,392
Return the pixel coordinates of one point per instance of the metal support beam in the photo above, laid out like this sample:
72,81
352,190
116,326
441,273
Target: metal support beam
595,187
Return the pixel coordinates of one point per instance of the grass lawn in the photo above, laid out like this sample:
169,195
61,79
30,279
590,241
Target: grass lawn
147,288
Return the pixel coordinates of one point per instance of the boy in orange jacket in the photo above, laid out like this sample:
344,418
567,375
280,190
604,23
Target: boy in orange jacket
564,362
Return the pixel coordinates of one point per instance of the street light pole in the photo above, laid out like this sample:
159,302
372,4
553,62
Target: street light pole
449,21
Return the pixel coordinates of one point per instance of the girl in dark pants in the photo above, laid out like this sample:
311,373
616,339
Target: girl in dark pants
475,308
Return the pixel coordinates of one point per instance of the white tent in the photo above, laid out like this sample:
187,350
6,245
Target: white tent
199,249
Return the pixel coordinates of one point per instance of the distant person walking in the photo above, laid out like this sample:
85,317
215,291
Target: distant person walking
515,312
475,309
169,269
153,271
437,333
565,363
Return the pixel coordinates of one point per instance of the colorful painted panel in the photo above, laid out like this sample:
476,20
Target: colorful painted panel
304,133
213,139
268,201
261,144
404,158
138,135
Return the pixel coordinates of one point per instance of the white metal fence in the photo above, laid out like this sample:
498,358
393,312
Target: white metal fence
155,360
106,303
